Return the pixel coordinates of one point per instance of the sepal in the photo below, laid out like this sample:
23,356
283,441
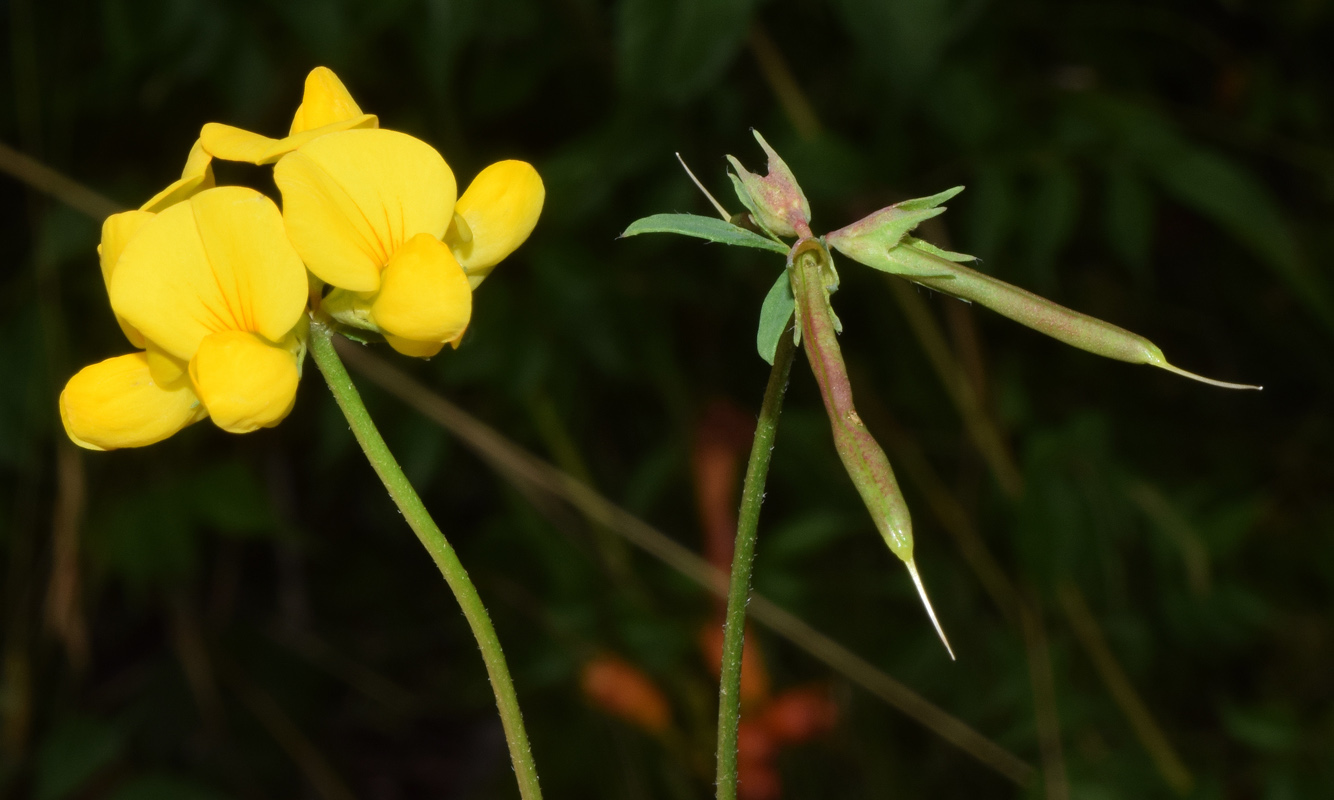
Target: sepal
870,239
352,309
948,255
775,201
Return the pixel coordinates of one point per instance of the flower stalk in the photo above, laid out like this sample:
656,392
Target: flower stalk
429,534
743,560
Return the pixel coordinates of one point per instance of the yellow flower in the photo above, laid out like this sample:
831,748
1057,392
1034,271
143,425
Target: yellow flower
373,213
216,294
326,107
118,229
196,177
494,216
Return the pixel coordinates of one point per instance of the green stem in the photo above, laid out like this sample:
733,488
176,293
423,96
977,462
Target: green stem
428,533
743,558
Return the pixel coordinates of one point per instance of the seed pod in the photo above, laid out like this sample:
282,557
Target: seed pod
922,263
811,270
1022,306
880,240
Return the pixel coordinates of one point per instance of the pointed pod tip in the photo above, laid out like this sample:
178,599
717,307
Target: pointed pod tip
931,612
722,212
1221,384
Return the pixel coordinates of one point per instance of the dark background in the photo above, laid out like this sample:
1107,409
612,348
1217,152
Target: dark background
247,616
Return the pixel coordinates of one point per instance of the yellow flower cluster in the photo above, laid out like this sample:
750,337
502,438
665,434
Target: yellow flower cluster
210,282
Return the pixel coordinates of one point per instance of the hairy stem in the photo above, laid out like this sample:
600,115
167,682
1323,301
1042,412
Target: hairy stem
428,533
743,559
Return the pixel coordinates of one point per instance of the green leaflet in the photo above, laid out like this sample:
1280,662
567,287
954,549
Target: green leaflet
714,230
774,315
778,303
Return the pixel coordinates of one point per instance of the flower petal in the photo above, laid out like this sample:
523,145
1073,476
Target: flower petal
245,382
235,144
500,208
117,403
351,199
424,293
166,369
326,101
230,143
412,347
117,230
220,261
196,177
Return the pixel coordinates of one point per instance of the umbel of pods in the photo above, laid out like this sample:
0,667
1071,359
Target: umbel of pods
777,208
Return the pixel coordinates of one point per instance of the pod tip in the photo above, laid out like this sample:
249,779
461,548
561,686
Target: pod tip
722,212
1222,384
921,592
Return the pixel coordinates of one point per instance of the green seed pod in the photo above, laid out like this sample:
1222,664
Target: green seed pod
881,240
1022,306
811,271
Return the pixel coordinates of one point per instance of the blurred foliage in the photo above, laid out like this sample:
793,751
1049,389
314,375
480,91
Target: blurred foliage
259,619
